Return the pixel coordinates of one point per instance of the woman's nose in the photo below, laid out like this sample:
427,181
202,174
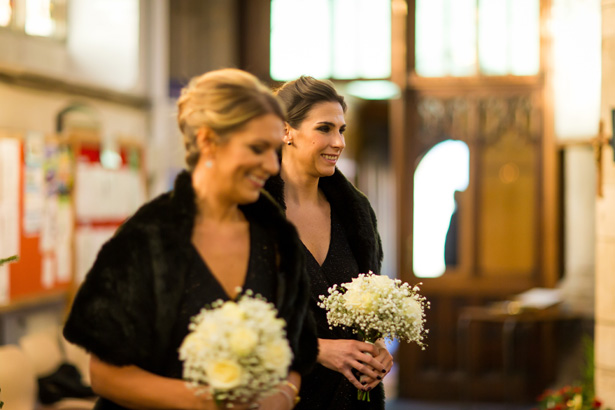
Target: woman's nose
272,163
339,141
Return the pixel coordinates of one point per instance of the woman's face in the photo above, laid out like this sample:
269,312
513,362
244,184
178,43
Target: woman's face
247,158
319,141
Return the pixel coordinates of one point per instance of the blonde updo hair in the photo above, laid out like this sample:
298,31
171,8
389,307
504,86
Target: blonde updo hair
223,100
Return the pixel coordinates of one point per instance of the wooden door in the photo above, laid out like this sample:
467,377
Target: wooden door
506,219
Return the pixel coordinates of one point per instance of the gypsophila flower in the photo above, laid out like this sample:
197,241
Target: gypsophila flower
376,306
238,349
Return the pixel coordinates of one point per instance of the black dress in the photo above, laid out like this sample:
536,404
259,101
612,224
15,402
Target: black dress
324,388
127,309
202,288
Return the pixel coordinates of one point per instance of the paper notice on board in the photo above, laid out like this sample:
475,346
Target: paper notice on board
88,242
4,285
104,194
49,225
10,175
64,240
34,182
48,277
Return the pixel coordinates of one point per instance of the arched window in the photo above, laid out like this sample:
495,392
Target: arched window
443,171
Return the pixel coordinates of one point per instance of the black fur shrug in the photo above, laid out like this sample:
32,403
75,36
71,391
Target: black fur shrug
356,215
126,308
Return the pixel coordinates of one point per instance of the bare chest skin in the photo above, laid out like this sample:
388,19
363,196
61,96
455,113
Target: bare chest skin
314,226
226,252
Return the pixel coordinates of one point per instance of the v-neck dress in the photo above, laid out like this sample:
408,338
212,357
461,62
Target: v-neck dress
324,388
203,288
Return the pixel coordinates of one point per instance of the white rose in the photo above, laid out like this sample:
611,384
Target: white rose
232,312
207,327
276,355
361,301
224,374
194,342
381,282
243,341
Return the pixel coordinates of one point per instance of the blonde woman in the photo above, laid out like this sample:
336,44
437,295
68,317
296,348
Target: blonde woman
216,231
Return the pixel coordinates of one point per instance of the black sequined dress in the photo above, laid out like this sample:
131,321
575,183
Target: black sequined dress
324,388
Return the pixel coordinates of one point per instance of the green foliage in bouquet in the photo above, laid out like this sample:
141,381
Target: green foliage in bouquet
10,259
580,396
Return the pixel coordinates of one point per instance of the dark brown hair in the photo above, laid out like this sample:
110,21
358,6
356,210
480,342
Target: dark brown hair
299,97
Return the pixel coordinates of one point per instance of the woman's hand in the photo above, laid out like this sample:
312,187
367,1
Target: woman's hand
383,357
277,401
344,355
238,406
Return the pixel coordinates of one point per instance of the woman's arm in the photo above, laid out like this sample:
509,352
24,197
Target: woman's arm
135,388
284,399
344,355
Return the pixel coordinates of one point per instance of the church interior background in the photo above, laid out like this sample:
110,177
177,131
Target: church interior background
480,130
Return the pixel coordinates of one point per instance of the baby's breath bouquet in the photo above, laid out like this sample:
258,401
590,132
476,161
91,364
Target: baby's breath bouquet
238,350
376,306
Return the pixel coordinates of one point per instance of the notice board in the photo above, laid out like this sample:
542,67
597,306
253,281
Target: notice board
35,215
58,204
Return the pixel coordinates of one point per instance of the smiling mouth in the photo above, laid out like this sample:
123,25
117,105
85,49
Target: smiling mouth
258,181
330,157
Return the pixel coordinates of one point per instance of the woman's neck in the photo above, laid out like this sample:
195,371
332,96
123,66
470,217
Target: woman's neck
300,188
210,205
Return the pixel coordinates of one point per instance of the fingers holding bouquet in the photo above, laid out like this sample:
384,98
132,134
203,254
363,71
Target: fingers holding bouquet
386,359
351,358
376,307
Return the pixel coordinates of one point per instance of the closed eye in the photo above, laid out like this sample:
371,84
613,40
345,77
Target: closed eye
258,149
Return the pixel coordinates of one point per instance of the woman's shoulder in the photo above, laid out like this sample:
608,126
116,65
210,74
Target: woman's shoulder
268,212
343,194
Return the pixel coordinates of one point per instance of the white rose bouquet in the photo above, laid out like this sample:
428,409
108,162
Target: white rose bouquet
238,350
376,306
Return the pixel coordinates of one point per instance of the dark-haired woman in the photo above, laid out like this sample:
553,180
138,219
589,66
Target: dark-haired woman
337,227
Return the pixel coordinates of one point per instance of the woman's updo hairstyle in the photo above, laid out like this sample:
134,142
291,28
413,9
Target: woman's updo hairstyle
223,100
299,97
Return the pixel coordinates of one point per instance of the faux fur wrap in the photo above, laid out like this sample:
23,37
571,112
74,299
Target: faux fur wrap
355,212
126,308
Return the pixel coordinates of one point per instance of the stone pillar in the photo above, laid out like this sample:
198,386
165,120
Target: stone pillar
605,226
580,233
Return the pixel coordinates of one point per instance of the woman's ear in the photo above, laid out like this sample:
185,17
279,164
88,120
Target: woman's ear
287,134
205,140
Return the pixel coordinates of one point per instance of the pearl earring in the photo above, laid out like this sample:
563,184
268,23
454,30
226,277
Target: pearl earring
209,163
